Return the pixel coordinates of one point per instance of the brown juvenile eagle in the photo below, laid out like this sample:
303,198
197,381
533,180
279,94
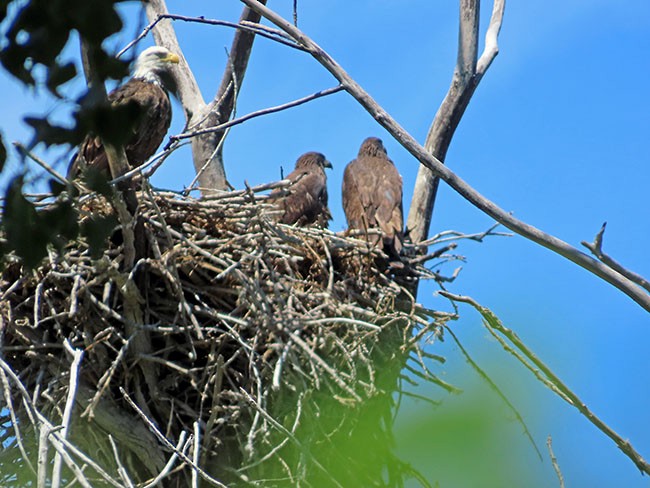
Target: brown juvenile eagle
306,202
146,89
372,195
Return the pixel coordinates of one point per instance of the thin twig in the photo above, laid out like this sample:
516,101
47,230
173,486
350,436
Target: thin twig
77,356
154,429
258,113
485,377
492,322
596,249
556,466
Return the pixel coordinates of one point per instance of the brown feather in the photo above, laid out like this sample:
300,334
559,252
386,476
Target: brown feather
306,202
148,134
372,195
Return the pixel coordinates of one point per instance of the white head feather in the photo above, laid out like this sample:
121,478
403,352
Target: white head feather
153,62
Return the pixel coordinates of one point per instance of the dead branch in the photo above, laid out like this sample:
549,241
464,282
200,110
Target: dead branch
272,34
596,249
467,76
222,106
486,377
556,466
452,179
257,113
544,373
207,147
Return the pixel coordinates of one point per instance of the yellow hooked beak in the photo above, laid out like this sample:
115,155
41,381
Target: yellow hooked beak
172,58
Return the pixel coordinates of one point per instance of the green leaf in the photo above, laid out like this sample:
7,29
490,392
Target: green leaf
58,75
51,134
97,229
61,222
39,30
3,8
30,231
96,181
21,223
95,20
107,66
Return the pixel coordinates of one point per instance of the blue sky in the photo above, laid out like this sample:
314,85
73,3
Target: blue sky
557,133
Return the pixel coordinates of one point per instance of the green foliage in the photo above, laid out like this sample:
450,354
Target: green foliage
59,75
36,36
51,134
29,232
36,33
114,124
97,182
97,229
40,30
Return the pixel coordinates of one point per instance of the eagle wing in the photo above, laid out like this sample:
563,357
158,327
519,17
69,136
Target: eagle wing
306,202
355,200
389,214
372,197
148,132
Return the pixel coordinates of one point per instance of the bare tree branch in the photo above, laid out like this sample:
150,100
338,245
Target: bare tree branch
544,374
117,161
187,89
273,34
206,147
467,76
596,249
556,466
438,168
490,382
258,113
125,202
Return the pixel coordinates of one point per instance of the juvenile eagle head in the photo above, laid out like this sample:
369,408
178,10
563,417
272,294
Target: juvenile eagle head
373,146
311,159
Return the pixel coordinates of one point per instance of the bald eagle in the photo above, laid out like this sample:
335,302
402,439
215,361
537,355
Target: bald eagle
146,89
306,202
372,195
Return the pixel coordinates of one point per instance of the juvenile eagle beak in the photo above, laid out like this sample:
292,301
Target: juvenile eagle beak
327,164
172,58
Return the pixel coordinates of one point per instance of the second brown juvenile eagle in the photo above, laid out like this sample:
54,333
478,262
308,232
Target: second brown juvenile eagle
372,195
306,202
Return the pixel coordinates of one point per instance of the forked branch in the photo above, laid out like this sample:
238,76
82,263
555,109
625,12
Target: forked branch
439,169
596,249
206,148
467,76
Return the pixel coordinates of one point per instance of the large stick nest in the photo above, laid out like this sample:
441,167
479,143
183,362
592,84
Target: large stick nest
227,327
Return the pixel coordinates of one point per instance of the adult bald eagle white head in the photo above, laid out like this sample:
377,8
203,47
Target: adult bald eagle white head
372,195
148,90
306,202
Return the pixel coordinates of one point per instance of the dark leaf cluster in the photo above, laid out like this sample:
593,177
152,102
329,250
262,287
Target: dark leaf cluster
112,123
40,29
29,231
34,35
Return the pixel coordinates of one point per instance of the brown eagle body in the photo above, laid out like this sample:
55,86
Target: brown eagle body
306,202
145,90
372,195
